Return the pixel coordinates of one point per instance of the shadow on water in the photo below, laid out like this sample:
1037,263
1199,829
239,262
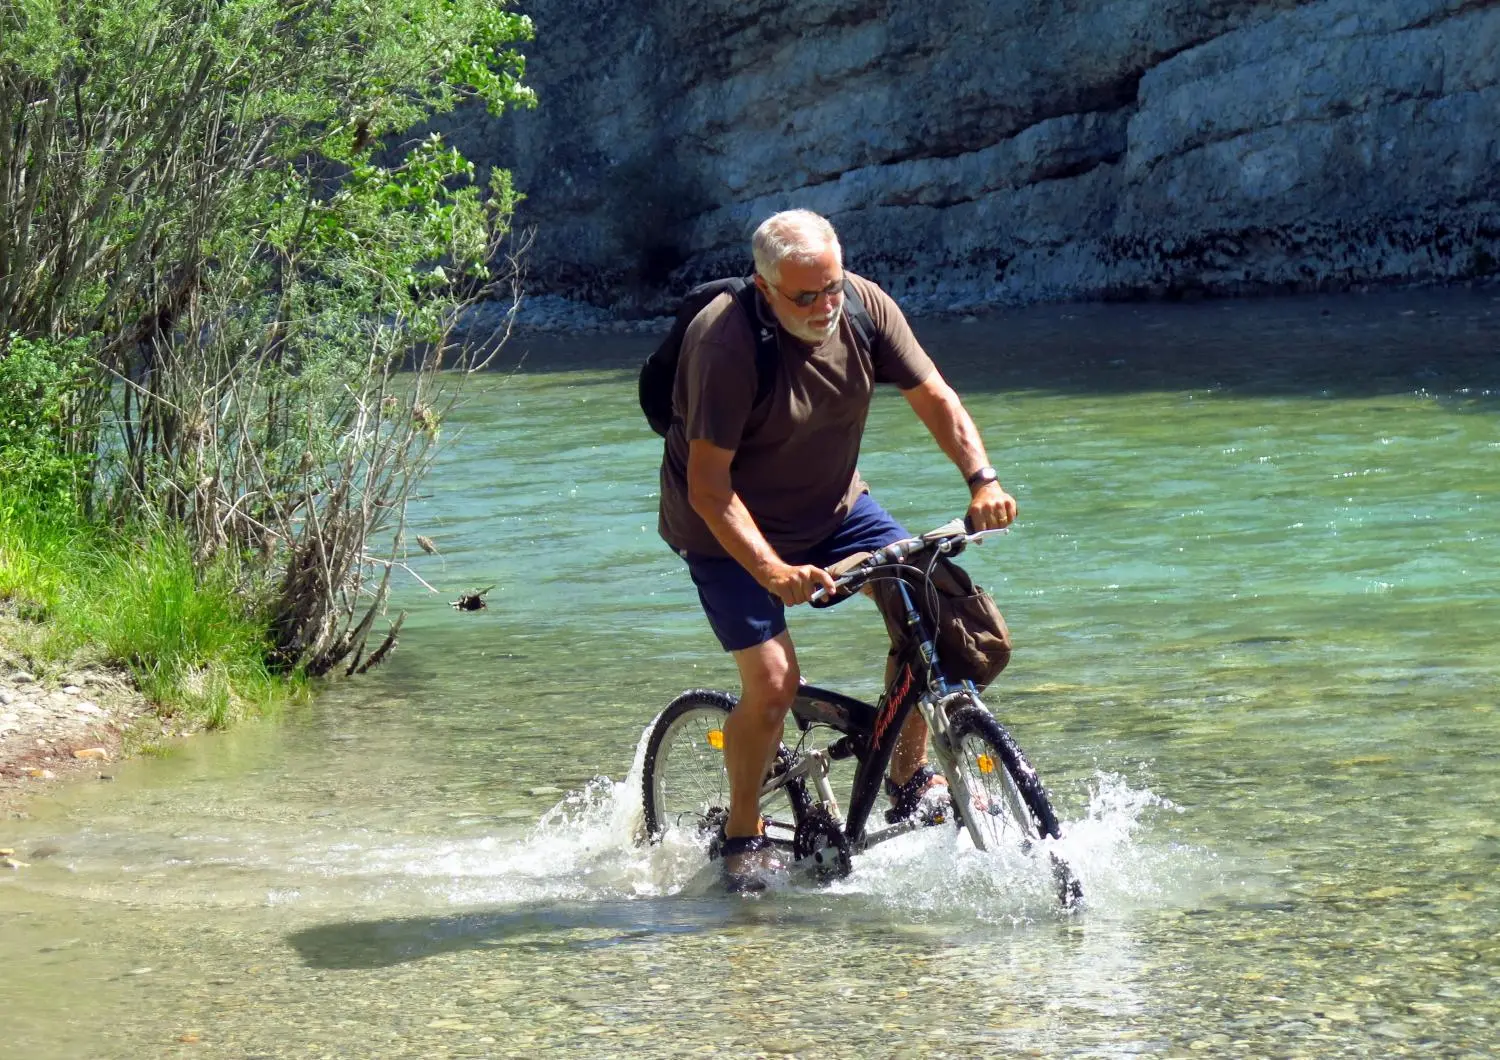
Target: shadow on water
542,927
1444,342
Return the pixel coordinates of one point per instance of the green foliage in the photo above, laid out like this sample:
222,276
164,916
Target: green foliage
162,136
217,200
139,600
37,381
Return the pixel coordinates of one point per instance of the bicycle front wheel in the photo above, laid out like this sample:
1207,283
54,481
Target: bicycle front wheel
1000,797
685,785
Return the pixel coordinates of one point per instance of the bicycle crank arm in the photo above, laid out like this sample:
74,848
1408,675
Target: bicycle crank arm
882,835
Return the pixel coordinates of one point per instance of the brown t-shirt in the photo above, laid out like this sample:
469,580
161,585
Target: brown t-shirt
795,453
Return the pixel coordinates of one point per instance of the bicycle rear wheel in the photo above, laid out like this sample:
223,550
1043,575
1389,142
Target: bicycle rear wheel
684,784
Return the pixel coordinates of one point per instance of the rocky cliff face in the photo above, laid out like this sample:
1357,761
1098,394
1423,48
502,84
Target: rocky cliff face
992,151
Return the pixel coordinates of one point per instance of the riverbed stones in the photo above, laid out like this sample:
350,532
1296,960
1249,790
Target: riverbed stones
57,726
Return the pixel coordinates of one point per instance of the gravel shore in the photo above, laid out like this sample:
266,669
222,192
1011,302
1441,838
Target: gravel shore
59,724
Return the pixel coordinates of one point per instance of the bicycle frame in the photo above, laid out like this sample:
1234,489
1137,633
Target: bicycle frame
870,732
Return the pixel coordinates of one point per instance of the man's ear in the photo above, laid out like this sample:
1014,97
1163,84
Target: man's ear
761,286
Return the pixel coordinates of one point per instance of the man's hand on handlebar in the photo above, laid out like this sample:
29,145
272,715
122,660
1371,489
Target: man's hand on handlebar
795,585
991,508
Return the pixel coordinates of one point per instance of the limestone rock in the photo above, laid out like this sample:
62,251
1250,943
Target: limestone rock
990,153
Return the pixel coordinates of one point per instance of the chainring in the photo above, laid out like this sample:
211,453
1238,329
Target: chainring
820,838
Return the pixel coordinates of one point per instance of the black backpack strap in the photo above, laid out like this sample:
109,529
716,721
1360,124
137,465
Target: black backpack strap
767,351
659,371
859,317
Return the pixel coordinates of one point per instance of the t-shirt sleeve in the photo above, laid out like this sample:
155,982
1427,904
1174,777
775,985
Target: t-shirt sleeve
897,357
716,389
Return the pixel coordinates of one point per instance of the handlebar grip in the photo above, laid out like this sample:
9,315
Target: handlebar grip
845,587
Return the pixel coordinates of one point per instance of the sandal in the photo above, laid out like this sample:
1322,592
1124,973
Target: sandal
749,862
925,794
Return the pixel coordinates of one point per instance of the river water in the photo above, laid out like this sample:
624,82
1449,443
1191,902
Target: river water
1255,592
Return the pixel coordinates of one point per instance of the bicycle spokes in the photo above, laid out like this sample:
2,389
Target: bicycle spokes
997,813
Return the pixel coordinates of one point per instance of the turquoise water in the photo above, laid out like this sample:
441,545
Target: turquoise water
1255,591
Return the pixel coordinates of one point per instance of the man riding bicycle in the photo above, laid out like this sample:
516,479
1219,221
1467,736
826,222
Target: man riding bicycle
760,496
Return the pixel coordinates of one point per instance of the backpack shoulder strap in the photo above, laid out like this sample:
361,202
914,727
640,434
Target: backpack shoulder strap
859,317
659,371
767,353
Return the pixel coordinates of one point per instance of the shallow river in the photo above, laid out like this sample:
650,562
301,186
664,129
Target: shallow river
1255,591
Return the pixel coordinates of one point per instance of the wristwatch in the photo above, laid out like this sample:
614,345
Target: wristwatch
983,477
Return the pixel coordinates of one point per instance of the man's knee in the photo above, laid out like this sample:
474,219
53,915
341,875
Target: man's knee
769,677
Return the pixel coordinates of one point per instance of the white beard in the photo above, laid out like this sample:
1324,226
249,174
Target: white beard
818,335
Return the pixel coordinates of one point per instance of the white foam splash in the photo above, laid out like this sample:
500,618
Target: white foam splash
588,847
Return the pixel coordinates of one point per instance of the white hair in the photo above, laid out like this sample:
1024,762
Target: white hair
799,235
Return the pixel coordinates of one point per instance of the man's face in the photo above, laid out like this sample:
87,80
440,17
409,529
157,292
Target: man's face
819,283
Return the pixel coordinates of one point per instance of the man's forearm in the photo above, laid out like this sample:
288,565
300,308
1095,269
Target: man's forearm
734,527
956,433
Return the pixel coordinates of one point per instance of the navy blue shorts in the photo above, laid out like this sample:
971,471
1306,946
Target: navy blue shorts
743,614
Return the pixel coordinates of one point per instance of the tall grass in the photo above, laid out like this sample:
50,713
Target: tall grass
196,646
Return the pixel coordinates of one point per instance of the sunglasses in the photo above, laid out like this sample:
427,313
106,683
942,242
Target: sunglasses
803,299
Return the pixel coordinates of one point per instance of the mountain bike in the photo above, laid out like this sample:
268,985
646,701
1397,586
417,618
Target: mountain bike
994,794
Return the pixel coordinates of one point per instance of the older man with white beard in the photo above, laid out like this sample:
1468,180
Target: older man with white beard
760,496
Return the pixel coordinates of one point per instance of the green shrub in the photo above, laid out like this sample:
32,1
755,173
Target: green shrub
37,382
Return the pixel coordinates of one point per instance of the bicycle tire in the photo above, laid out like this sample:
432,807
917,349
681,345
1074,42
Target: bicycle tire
1014,801
684,784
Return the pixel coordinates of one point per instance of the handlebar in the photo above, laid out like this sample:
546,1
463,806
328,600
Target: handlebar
949,539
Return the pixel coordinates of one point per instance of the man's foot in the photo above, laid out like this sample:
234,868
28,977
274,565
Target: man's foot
750,862
924,796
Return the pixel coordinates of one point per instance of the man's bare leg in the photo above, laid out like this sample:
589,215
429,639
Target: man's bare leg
768,684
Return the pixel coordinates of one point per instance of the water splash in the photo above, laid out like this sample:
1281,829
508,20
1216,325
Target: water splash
1105,850
588,847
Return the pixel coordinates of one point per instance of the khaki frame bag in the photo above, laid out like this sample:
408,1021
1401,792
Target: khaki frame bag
972,640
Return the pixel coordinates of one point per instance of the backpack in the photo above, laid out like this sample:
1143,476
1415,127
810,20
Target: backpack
659,372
